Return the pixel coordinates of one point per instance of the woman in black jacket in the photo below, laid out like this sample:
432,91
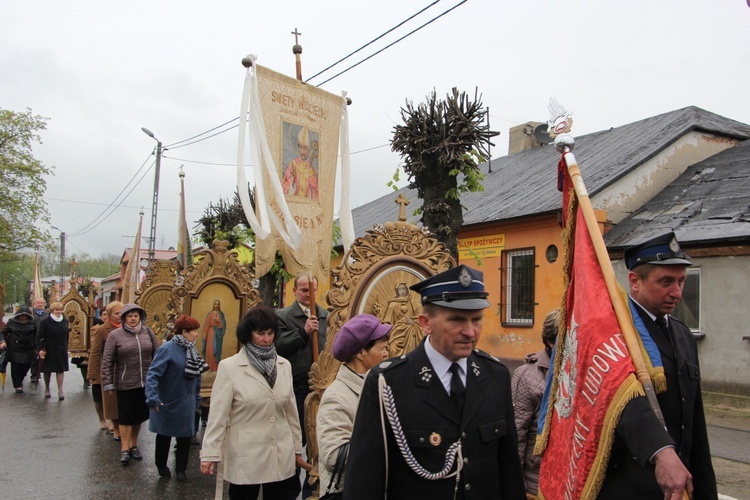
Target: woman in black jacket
52,343
18,338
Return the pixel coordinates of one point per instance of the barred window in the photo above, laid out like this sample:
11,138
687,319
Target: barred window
519,287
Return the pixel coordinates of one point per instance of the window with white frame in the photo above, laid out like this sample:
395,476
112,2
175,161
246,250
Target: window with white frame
519,287
689,309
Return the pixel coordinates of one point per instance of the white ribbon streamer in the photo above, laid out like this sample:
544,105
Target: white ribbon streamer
251,111
345,212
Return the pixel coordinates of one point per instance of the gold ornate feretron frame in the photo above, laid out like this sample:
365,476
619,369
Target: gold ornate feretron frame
216,275
366,282
78,313
155,297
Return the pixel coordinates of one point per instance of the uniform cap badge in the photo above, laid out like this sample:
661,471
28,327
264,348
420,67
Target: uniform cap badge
674,245
464,278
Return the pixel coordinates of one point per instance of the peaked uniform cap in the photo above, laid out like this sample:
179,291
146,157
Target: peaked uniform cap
458,288
663,250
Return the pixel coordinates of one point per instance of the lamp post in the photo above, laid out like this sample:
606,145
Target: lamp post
62,259
155,202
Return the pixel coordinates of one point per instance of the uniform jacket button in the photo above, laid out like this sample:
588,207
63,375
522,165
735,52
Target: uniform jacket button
466,460
463,435
467,487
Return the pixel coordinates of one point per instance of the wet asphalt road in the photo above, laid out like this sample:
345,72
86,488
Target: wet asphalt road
55,449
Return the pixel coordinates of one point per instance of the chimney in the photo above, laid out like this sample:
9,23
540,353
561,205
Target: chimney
523,137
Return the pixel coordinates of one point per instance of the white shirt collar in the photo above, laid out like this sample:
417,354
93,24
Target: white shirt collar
652,316
442,365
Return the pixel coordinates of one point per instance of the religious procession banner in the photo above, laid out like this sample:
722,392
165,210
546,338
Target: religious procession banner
302,126
592,376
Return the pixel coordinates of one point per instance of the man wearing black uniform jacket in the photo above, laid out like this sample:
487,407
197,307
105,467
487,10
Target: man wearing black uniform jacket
449,426
648,461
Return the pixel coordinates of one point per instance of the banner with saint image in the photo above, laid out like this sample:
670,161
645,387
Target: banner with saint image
302,130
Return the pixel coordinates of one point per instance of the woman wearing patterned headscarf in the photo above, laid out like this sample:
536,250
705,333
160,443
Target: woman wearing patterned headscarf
253,390
173,388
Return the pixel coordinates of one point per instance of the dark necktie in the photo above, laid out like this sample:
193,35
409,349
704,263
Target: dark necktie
458,391
664,327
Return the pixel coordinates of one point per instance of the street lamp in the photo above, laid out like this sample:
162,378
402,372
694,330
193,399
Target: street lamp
62,259
155,203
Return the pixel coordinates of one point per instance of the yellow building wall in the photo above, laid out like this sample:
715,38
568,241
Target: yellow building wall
516,341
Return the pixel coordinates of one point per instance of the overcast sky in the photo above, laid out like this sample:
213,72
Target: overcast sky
102,70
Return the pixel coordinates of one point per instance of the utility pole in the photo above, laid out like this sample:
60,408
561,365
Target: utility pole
62,259
155,202
62,264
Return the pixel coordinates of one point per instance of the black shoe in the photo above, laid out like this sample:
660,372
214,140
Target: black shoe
194,441
181,476
135,453
124,458
164,472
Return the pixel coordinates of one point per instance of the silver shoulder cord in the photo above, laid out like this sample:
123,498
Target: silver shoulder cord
388,406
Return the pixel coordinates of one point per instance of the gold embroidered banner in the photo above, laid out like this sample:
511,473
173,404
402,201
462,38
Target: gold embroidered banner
302,127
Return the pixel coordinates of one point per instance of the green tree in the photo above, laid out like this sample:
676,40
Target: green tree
22,205
442,144
226,221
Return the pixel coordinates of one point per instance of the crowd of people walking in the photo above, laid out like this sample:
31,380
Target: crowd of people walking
385,426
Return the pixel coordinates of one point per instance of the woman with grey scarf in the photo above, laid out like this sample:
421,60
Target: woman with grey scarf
253,391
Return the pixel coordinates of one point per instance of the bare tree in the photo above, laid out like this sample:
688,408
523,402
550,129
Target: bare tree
442,144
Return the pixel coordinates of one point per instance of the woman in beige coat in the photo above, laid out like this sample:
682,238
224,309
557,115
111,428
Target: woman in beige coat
98,338
253,391
360,344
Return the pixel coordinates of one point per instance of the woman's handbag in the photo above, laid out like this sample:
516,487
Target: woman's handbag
338,473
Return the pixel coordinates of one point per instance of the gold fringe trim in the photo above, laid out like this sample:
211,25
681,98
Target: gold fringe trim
629,389
568,238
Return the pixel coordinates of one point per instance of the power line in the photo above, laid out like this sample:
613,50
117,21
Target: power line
373,40
249,164
207,137
186,142
91,227
202,133
119,206
394,43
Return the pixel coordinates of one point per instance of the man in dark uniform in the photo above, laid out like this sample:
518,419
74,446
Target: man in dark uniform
449,426
297,323
647,461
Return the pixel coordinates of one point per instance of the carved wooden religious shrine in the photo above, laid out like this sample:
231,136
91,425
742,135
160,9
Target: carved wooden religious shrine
374,278
78,311
155,296
216,290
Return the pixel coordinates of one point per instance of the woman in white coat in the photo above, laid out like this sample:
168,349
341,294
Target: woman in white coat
253,391
360,344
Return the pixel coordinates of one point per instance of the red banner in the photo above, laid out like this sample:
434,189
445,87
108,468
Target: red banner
592,378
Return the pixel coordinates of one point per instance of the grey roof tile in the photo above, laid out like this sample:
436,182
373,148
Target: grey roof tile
525,184
708,204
